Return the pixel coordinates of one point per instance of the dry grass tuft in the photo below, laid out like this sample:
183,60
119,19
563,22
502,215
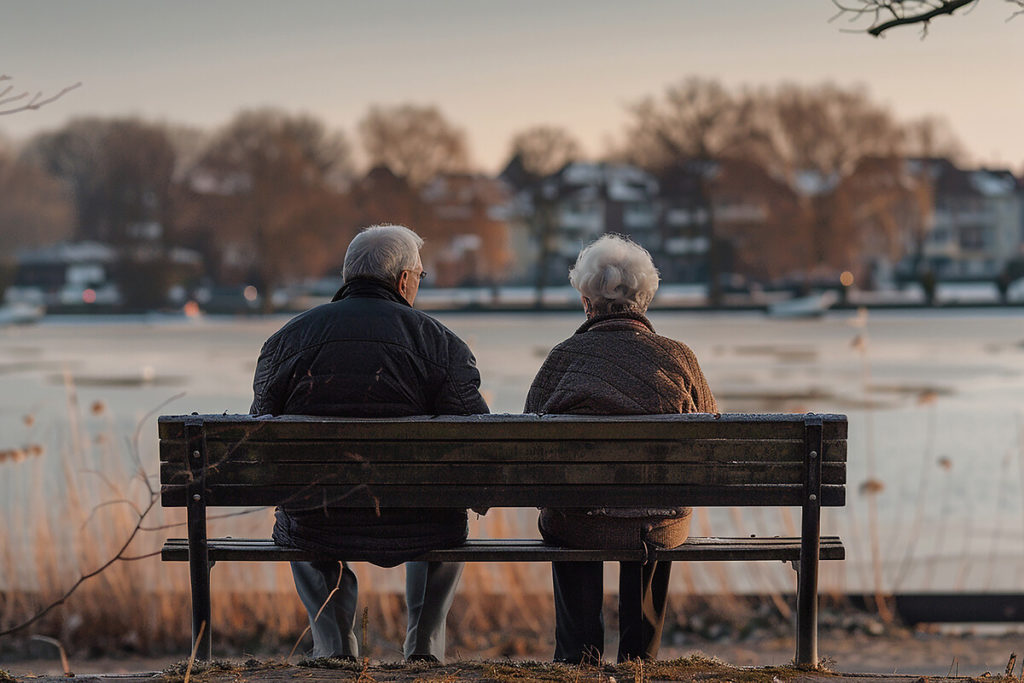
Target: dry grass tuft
216,669
21,454
701,667
538,671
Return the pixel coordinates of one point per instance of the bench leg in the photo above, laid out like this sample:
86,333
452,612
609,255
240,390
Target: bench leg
198,550
807,612
199,576
810,543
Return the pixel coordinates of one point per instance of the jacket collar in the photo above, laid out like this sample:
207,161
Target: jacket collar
621,320
369,288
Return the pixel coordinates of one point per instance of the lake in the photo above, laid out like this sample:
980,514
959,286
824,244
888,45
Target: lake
935,401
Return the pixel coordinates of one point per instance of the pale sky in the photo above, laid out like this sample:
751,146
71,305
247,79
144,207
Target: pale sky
496,67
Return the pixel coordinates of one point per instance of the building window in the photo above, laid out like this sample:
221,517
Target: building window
972,237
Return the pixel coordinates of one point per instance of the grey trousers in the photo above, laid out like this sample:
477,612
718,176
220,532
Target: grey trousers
429,592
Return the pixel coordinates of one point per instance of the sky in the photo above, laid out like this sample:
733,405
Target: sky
494,67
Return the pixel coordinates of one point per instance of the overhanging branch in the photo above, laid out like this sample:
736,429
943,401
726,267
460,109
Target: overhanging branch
946,7
36,101
883,15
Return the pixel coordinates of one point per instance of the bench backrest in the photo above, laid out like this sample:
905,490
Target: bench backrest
504,460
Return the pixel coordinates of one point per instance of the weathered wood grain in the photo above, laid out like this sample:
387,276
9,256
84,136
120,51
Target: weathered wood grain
463,496
504,427
498,474
697,549
504,450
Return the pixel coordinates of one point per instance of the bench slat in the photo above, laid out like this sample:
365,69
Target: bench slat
504,450
494,474
495,427
696,549
528,496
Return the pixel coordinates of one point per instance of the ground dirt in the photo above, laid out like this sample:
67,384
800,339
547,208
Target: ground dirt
847,656
693,668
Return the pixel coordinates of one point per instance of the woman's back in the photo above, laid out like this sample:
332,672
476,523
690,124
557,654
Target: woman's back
615,364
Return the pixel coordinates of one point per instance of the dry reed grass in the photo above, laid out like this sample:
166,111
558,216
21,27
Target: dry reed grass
83,497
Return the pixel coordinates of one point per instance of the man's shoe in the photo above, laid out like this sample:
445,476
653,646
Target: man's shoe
431,659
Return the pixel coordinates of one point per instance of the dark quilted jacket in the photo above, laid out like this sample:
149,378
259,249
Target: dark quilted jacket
368,353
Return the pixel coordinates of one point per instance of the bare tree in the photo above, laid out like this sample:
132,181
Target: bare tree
884,15
696,119
535,153
925,141
120,173
816,138
415,143
74,155
13,101
696,122
265,190
542,150
931,136
121,176
35,209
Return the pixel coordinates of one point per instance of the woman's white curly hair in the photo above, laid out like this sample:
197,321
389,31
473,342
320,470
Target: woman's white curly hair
615,274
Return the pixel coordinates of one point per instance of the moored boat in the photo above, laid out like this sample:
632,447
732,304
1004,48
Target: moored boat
19,313
810,306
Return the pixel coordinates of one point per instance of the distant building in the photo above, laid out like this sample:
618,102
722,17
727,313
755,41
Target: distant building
65,274
72,275
977,220
684,224
581,202
674,215
467,233
736,204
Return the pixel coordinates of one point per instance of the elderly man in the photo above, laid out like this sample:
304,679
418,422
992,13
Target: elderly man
368,353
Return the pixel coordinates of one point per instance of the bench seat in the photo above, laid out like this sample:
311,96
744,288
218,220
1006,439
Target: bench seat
696,549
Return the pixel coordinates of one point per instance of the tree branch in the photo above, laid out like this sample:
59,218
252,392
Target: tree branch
35,102
888,14
88,575
141,515
945,8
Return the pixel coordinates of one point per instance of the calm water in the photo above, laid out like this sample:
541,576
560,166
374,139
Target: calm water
935,401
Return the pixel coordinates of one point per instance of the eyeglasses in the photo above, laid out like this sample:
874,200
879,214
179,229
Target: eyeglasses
422,274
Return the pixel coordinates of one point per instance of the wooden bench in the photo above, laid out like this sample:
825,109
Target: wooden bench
509,461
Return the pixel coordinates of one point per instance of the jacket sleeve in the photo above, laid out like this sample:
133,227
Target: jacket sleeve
460,390
700,392
540,389
267,384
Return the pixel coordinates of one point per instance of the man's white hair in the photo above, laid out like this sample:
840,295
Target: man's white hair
615,274
382,252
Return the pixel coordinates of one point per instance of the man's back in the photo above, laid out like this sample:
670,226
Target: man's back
366,354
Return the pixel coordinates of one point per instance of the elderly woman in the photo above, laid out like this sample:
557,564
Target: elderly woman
615,364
